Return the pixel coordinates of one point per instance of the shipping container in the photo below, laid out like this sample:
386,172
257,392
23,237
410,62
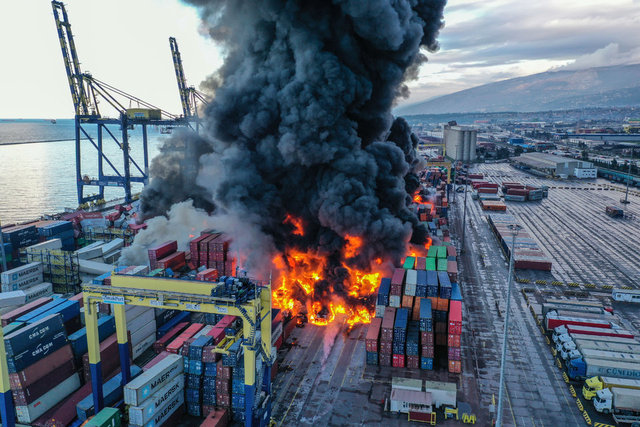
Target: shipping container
139,415
33,334
23,396
398,276
108,417
373,334
27,414
138,390
78,340
421,263
388,322
400,324
111,391
13,315
409,263
455,317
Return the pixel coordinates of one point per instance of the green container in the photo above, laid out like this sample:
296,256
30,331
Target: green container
433,252
108,417
156,272
442,264
409,263
442,252
431,264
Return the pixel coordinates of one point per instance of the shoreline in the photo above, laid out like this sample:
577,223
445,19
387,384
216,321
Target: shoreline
40,142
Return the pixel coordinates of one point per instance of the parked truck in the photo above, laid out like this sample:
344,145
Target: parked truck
552,320
625,295
622,403
548,306
564,338
594,384
574,348
564,332
585,367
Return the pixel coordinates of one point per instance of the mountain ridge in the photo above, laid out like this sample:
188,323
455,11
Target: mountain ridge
612,86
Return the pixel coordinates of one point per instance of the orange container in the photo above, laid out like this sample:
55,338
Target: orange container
455,366
407,301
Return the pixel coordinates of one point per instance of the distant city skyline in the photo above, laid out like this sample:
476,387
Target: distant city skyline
126,44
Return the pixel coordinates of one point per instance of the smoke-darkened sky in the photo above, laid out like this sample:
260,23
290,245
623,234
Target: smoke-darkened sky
483,41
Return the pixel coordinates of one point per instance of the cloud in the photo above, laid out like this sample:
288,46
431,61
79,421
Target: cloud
606,56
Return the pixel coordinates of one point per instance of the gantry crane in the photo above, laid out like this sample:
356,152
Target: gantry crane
189,95
86,92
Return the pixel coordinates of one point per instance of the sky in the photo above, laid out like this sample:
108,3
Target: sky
125,43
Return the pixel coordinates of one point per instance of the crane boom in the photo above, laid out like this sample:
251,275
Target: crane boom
182,82
81,100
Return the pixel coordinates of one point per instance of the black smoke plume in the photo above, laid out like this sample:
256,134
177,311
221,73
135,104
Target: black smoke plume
301,124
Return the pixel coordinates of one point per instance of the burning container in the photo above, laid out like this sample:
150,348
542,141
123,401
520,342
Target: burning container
383,296
372,340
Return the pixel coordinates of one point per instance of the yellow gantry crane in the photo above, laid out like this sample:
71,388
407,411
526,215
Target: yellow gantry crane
186,295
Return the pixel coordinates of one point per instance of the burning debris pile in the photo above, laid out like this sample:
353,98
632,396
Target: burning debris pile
302,159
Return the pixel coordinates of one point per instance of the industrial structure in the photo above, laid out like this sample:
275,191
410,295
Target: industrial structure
460,142
189,95
562,167
87,92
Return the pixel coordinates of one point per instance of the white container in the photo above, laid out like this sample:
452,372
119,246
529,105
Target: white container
139,415
28,414
139,322
138,335
20,274
146,384
13,298
143,345
380,310
37,291
412,277
394,301
52,244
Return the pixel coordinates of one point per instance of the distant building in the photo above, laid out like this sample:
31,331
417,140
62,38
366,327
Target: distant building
460,142
556,165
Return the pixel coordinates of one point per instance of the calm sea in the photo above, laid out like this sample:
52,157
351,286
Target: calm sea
37,178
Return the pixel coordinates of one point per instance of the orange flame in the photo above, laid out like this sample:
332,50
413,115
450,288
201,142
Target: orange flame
298,273
298,230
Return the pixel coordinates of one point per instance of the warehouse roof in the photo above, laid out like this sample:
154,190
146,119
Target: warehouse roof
543,160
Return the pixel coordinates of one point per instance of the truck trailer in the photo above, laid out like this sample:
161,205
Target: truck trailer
585,367
552,320
586,330
574,348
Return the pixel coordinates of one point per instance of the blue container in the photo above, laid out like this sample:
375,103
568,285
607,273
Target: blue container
237,401
193,381
372,358
426,315
69,244
68,310
163,316
54,228
455,292
238,371
398,347
38,311
31,335
183,316
383,291
237,386
426,363
232,358
421,290
422,278
209,383
31,355
193,409
210,370
400,325
100,279
8,248
413,339
195,349
78,340
443,279
193,395
209,396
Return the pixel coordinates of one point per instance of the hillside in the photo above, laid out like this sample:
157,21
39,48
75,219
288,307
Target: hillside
613,86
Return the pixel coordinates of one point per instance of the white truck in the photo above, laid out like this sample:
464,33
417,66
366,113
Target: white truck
626,295
622,403
574,347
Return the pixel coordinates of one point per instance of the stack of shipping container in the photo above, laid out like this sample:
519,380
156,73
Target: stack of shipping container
455,331
400,337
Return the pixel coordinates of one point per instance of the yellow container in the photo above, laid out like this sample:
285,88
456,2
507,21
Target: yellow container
144,114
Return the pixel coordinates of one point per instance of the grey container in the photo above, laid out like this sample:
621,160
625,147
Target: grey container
141,388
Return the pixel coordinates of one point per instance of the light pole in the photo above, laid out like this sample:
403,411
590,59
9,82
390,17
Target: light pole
626,196
514,232
464,214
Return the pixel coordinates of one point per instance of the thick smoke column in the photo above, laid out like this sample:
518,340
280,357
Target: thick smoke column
301,126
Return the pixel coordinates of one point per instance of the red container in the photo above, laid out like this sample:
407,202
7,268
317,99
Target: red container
455,366
12,315
160,345
451,250
162,250
109,357
78,298
453,340
218,418
274,370
475,176
208,275
440,328
384,359
223,386
427,351
209,354
373,334
398,276
223,400
223,372
485,190
426,338
531,264
217,333
490,185
441,339
194,247
454,353
421,263
41,368
455,313
395,290
387,324
413,362
220,243
398,361
153,362
552,322
518,191
386,347
26,395
175,261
